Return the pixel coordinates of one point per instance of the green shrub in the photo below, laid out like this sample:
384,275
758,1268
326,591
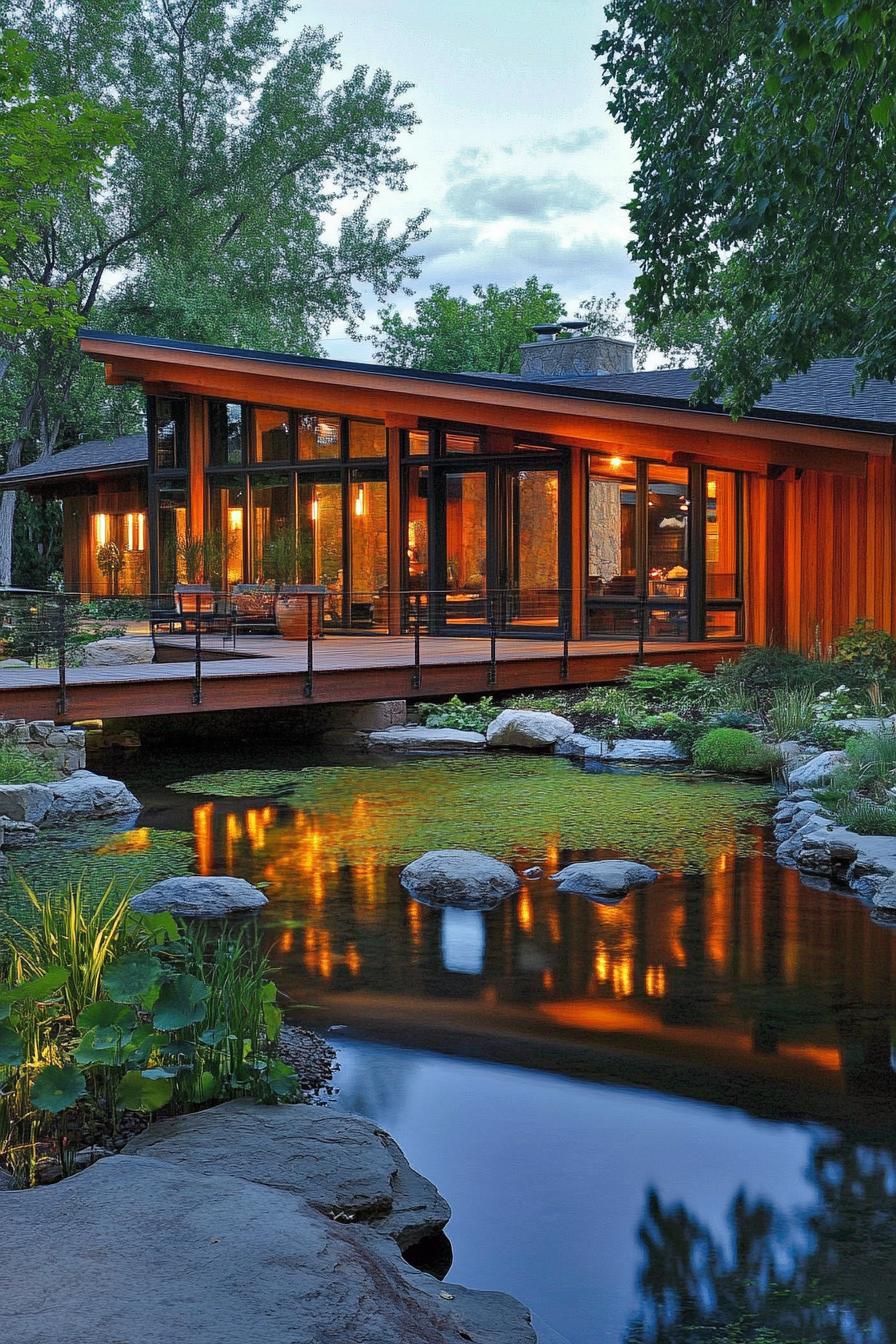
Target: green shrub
868,652
103,1011
733,718
18,766
791,712
732,751
664,687
831,736
865,817
684,733
455,713
761,671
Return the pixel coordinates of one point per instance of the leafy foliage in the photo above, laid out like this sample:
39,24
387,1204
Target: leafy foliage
135,1013
664,685
239,212
451,333
868,652
455,713
732,751
792,712
19,766
762,207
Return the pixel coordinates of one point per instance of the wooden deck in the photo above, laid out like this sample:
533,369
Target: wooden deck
269,672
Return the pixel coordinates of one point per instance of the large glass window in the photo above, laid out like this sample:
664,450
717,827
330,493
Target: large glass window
723,566
668,550
419,443
419,484
270,436
320,437
368,520
171,500
466,546
225,426
320,538
612,527
461,443
274,550
366,439
170,434
227,515
534,550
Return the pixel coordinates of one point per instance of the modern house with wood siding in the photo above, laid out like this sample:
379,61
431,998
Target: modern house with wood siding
579,494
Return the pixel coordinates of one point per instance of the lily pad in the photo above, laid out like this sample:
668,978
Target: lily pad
55,1089
181,1002
12,1049
130,978
138,1092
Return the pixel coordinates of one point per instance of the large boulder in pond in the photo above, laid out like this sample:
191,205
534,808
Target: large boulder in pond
652,751
604,879
342,1164
529,729
25,802
199,897
461,878
417,737
231,1261
84,796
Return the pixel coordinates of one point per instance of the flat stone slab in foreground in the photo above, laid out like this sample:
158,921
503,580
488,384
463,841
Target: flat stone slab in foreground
461,878
416,737
199,897
605,878
340,1163
156,1253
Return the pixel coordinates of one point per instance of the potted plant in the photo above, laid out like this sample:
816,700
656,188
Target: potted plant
110,563
190,552
286,558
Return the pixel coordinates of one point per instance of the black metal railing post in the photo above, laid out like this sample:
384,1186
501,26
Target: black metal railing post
642,616
309,648
564,660
62,699
493,641
416,677
197,656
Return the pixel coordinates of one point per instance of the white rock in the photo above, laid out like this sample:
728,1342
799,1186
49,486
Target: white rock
462,878
657,750
417,737
118,651
199,897
885,895
527,728
84,796
25,802
604,878
816,771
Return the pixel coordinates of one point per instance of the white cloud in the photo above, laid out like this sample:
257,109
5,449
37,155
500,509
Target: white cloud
490,196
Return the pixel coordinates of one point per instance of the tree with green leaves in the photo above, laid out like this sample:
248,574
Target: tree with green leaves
449,333
764,205
240,210
48,144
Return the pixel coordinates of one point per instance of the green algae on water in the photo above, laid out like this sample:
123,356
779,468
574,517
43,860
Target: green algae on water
239,783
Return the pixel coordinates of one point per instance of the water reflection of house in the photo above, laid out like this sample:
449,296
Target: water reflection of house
740,969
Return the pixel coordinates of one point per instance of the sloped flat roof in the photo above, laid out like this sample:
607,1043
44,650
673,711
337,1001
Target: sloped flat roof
821,396
97,456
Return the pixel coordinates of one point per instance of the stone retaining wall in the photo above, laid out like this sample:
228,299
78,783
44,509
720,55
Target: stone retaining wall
61,747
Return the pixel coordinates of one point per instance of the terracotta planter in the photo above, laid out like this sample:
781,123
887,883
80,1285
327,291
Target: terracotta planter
291,611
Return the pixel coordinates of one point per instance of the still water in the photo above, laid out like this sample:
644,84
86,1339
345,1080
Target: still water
666,1120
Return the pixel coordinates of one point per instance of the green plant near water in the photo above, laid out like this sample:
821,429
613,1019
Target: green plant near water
733,751
868,772
539,704
666,687
864,816
455,713
868,653
792,712
18,766
105,1011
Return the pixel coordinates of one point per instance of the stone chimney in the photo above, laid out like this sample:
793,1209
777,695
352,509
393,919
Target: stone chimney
560,351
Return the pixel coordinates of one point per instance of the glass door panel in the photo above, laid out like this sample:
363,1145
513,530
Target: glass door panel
320,539
668,551
533,546
612,559
369,550
467,546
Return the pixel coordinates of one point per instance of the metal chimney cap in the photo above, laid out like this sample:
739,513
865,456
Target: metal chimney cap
574,324
547,331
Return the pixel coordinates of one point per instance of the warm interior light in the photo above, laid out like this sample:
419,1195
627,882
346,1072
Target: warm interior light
615,463
314,508
235,519
101,525
711,489
359,502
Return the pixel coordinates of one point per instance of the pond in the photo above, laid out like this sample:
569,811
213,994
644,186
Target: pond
667,1120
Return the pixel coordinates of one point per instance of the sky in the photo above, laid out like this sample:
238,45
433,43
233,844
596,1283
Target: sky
517,159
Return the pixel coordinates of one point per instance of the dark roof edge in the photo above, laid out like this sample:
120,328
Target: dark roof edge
12,479
488,381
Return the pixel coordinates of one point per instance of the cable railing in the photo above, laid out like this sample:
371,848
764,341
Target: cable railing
49,628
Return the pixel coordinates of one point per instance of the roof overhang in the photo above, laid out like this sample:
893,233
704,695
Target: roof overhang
639,424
